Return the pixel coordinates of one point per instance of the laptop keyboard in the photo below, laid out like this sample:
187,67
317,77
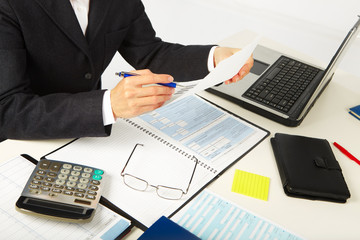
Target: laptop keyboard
280,87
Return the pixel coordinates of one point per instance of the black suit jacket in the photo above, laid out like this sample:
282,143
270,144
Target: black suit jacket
50,73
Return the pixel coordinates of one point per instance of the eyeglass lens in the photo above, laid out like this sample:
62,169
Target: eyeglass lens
162,191
135,183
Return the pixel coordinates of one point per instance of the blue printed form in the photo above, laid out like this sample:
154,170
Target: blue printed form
209,216
199,126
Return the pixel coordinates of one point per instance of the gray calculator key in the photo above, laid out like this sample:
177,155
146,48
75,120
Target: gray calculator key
82,185
62,176
65,171
67,166
73,178
85,175
71,184
75,173
87,170
60,181
84,180
77,168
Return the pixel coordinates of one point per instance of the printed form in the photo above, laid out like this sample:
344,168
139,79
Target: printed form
209,216
14,174
211,133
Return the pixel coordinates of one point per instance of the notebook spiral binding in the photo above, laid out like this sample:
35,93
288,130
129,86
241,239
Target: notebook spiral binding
168,144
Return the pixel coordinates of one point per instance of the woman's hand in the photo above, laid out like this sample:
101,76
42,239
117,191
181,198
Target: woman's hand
221,53
131,97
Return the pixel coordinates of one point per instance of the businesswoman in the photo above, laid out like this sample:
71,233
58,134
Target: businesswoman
52,55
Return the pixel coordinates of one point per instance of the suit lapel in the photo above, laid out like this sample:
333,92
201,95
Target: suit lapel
61,12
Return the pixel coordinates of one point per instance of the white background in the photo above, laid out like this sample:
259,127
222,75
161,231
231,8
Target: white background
312,27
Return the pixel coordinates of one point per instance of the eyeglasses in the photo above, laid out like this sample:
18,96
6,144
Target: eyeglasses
162,191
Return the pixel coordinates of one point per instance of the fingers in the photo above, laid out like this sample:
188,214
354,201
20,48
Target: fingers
242,72
146,77
133,89
136,95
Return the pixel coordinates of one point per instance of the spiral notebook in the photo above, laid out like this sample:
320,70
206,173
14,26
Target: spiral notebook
172,136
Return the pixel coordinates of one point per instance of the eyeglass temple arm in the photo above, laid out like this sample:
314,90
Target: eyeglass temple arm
122,172
192,175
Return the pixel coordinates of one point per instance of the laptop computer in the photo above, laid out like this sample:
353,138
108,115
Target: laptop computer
280,87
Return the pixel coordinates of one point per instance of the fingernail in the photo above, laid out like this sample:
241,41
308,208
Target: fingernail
171,78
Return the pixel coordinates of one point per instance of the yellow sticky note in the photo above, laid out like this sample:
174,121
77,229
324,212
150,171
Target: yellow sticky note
251,184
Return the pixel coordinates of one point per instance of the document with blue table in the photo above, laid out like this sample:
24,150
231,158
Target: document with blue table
171,137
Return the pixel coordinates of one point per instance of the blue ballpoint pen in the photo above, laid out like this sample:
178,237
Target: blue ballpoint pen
129,74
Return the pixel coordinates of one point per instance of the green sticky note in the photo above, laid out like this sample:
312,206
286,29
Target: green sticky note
251,184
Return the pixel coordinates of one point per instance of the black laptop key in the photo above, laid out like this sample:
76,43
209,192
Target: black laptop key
282,85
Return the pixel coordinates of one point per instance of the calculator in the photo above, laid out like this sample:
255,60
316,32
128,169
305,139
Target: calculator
62,190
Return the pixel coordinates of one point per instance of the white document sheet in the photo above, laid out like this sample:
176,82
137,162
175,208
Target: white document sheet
225,70
166,159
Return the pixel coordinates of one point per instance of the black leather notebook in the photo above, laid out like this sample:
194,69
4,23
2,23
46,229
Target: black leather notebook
308,168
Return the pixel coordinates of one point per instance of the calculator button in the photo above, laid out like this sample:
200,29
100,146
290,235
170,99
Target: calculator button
67,166
33,186
85,175
55,190
75,173
52,194
36,182
82,185
51,174
59,186
95,182
46,184
62,176
87,170
73,178
55,166
90,197
68,193
38,177
84,180
64,171
77,168
49,179
41,172
71,184
97,177
93,188
35,191
80,190
46,189
98,172
80,195
92,193
60,182
70,188
44,164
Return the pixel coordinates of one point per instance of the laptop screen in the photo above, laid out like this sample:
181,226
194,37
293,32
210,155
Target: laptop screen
330,69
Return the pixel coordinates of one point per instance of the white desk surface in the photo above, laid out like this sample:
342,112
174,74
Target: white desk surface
328,119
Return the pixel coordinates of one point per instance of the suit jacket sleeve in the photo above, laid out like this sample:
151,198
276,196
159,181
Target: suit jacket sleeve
50,74
141,50
30,112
